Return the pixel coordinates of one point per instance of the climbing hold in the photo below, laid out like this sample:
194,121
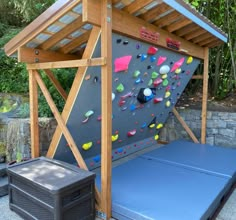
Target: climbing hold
129,94
137,81
164,69
85,120
178,83
126,42
120,88
152,123
120,150
161,60
157,82
178,70
187,72
143,57
131,133
149,67
132,107
87,77
157,100
97,159
150,82
144,125
136,73
114,137
154,75
122,63
189,60
147,92
145,74
95,79
177,64
168,103
173,87
89,113
121,102
113,96
99,118
164,76
153,59
167,94
118,41
152,50
87,146
138,46
124,108
156,137
165,82
139,55
168,88
159,126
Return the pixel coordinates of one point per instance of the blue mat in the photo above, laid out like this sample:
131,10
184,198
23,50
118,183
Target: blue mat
181,181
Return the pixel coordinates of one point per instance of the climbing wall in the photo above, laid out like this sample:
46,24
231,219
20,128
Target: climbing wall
147,82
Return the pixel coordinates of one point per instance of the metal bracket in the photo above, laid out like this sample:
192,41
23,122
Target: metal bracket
101,215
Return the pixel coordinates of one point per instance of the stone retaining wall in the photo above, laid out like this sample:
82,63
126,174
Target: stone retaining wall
221,130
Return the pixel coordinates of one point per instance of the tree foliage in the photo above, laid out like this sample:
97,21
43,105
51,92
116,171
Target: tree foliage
222,69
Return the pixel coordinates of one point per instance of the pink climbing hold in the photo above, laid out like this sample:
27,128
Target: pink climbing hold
152,50
131,133
157,100
157,82
177,64
122,63
161,60
129,94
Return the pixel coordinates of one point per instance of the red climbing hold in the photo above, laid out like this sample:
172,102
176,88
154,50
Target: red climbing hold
131,133
152,50
157,82
157,100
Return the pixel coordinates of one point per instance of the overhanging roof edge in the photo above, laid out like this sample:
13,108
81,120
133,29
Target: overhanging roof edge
187,11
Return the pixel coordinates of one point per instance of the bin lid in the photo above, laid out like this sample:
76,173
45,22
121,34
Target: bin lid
51,174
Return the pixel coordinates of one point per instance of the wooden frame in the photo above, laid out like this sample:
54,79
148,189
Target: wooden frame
104,19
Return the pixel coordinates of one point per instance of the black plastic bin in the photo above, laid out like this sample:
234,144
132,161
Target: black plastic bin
47,189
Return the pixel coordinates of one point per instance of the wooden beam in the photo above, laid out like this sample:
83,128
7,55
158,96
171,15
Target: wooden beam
88,53
136,6
106,151
76,42
194,33
154,12
185,126
34,124
177,25
205,95
207,41
197,77
167,19
68,64
60,121
56,83
187,29
50,16
30,55
129,25
201,37
75,25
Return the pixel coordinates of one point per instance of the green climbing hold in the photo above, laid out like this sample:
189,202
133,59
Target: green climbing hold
89,113
165,82
136,73
150,82
120,88
154,75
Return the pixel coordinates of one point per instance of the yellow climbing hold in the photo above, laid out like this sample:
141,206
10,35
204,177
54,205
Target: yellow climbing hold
168,104
87,146
167,94
164,76
114,137
178,70
156,137
189,60
159,126
152,125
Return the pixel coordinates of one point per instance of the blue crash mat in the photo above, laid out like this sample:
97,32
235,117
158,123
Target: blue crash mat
158,186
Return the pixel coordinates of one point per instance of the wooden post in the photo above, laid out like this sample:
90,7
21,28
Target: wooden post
205,95
34,128
106,151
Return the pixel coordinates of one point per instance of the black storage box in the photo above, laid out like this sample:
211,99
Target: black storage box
47,189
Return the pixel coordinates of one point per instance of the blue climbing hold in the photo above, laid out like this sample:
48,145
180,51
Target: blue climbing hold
97,159
153,59
143,57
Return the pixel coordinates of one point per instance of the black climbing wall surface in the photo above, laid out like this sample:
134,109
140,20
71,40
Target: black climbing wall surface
147,82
